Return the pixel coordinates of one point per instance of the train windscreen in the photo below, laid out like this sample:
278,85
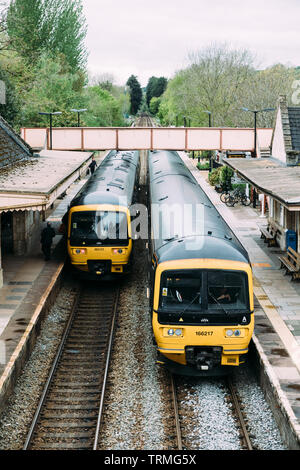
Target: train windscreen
94,228
210,291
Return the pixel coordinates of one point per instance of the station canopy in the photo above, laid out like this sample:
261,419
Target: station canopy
36,183
270,177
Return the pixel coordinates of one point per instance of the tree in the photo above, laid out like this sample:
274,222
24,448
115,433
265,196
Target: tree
136,94
223,80
68,30
52,89
155,88
104,81
55,26
24,27
154,105
103,108
10,102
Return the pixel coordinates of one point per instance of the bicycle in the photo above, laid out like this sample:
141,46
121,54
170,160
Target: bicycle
225,194
237,196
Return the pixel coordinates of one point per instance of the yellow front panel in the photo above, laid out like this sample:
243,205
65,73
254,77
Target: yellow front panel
173,347
119,255
104,253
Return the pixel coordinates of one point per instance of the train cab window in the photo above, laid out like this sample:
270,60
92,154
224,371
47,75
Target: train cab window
98,227
226,289
181,289
196,291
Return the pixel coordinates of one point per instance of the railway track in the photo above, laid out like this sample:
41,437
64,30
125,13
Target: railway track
179,422
69,413
144,121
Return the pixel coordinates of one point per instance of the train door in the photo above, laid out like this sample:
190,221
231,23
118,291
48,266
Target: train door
7,239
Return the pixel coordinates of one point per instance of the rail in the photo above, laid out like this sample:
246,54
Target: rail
73,395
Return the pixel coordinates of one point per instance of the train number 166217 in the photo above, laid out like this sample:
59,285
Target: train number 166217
204,333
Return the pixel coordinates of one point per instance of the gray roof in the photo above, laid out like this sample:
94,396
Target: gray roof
294,119
270,177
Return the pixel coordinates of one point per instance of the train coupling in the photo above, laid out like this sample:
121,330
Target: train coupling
204,358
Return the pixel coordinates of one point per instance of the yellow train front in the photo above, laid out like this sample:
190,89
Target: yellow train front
201,279
99,234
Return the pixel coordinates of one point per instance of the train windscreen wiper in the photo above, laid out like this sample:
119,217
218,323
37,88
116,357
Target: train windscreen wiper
217,302
192,301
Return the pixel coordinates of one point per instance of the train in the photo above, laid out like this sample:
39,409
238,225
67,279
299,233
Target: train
200,276
98,221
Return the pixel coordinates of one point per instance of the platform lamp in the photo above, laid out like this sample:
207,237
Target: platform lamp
209,124
209,117
50,115
78,111
255,122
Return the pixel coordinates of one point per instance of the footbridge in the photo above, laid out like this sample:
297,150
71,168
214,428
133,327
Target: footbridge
141,138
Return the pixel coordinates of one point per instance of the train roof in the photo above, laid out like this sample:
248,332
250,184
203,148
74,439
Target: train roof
184,222
113,181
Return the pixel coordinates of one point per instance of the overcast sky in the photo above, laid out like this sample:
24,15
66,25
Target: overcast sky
154,37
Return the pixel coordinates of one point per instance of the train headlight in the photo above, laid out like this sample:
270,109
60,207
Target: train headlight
119,251
79,251
171,332
229,332
178,332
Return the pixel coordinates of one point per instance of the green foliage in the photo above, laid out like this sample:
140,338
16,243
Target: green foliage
10,109
136,94
155,88
240,186
223,80
154,105
103,108
226,174
53,89
203,166
54,26
45,68
214,176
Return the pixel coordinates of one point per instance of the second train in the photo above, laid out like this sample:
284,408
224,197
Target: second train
201,287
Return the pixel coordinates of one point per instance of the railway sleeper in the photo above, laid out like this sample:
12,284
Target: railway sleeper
75,424
66,435
64,445
70,406
78,415
71,399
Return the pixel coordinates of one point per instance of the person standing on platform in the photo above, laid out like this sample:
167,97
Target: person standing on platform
47,236
93,165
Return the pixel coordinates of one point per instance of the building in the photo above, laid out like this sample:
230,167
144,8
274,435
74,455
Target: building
277,177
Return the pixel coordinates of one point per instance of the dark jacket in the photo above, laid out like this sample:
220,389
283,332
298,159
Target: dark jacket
47,234
92,166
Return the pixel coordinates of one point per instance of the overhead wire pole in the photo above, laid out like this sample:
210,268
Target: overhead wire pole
209,124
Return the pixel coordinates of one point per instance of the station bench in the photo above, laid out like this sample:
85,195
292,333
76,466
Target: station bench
291,262
269,234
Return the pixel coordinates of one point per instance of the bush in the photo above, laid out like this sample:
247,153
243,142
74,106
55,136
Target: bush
214,176
203,166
